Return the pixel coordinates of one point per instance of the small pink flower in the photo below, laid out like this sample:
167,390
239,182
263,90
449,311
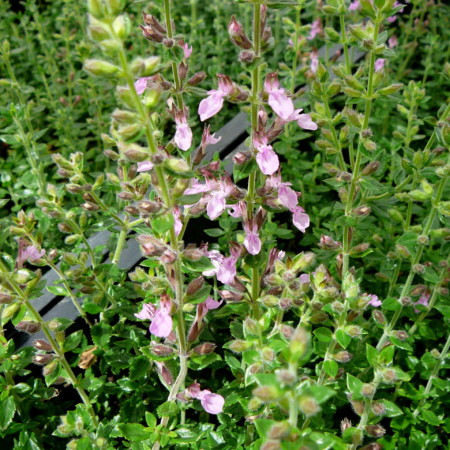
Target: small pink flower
144,166
252,242
216,260
141,85
305,122
278,99
287,196
300,219
211,403
208,138
374,300
178,225
28,253
187,51
267,160
147,312
183,134
354,5
238,210
423,300
379,64
316,28
212,104
227,270
314,62
393,41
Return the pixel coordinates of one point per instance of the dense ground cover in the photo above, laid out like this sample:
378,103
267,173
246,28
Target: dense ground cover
300,301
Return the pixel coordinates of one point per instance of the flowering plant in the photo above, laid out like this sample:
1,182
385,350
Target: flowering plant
275,287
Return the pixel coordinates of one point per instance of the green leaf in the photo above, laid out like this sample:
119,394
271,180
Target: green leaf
430,417
354,385
263,426
331,368
372,355
92,308
392,410
387,355
214,232
7,410
430,275
150,419
167,409
72,341
162,223
101,334
323,334
343,338
391,304
321,393
140,367
200,265
134,431
409,240
58,290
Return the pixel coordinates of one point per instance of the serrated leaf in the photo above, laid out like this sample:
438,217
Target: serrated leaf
167,409
7,410
430,417
134,432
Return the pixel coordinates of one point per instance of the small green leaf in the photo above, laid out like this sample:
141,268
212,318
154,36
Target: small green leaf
392,410
430,417
167,409
330,367
7,410
323,334
343,338
354,385
372,355
134,431
162,223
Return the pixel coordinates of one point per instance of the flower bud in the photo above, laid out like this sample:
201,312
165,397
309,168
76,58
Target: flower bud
100,68
268,354
378,409
161,349
342,357
247,56
196,78
328,243
405,301
5,299
28,326
286,377
308,405
237,34
371,168
279,430
168,256
403,251
368,390
194,286
267,393
379,317
205,348
50,368
239,346
231,295
42,359
287,331
376,431
389,376
271,445
42,344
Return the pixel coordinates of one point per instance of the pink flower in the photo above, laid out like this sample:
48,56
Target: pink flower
278,99
374,300
379,64
267,160
212,104
393,41
161,321
211,403
144,166
423,300
141,85
252,242
27,253
208,138
305,122
216,260
227,270
354,5
316,28
187,51
287,196
183,134
238,210
300,219
147,312
314,62
178,225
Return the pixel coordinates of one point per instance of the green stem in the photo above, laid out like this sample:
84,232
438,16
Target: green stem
55,346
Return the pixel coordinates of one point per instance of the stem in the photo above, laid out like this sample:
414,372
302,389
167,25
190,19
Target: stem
120,243
433,375
429,222
55,346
